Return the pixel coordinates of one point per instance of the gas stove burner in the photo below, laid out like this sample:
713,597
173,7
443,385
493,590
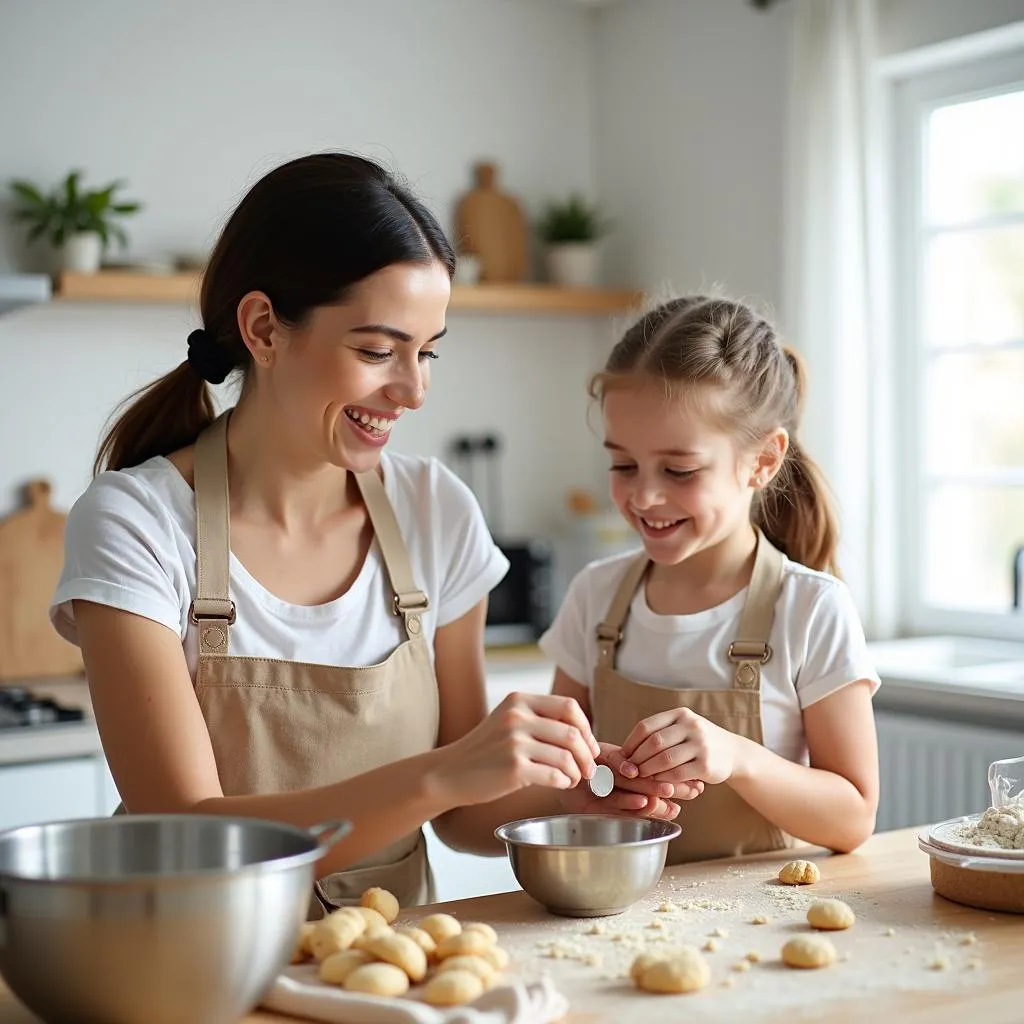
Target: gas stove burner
19,709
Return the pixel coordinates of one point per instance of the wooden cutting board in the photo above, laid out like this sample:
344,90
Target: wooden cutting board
31,558
491,224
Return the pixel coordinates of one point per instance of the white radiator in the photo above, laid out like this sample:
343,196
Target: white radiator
933,769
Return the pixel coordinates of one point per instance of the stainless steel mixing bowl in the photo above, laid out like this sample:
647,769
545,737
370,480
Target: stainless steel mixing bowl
152,919
587,865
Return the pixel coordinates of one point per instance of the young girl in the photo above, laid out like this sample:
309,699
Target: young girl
724,657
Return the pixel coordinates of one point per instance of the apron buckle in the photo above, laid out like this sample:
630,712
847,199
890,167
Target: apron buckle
748,650
417,601
608,634
211,608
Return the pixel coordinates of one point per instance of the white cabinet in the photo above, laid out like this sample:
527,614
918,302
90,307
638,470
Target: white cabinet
51,791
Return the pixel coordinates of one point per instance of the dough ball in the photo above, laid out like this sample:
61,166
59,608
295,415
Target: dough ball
683,971
401,951
421,938
378,980
474,964
808,951
496,957
484,929
799,872
366,938
465,943
336,968
332,934
453,988
375,921
642,962
830,915
440,926
382,901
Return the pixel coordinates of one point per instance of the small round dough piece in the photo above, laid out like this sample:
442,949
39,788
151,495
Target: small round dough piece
453,988
483,929
421,938
382,901
463,944
336,968
366,938
808,951
684,971
799,872
642,962
375,921
440,926
474,964
401,951
332,934
378,980
830,915
496,957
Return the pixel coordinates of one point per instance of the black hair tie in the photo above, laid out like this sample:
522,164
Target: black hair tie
206,358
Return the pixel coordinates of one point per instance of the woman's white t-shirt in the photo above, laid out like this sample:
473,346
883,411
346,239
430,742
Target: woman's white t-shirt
817,642
130,544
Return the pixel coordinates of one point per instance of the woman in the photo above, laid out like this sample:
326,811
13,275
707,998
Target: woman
278,620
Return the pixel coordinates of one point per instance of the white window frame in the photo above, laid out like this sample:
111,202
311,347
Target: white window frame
987,65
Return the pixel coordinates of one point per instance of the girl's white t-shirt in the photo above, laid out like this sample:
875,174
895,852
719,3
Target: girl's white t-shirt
817,641
130,544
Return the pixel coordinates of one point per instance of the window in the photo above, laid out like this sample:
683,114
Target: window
959,229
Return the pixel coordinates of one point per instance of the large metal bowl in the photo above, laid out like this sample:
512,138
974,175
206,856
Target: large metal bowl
587,865
162,919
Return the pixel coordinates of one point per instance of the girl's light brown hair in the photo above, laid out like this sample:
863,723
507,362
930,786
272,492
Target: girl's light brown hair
725,353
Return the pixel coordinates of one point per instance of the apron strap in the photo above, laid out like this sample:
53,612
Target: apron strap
212,610
752,650
410,601
609,630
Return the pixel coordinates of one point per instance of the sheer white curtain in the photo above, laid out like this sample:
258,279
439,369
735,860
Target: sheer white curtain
834,275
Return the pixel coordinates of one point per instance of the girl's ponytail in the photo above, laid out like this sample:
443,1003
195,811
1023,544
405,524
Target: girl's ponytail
796,513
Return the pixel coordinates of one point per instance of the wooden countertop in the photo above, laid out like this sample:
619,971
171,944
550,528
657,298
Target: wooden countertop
880,976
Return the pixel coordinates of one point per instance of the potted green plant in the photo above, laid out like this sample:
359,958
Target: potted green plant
79,223
571,230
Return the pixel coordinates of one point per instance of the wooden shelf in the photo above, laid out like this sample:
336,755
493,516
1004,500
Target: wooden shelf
129,286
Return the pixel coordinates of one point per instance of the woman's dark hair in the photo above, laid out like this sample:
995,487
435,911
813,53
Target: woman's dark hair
304,234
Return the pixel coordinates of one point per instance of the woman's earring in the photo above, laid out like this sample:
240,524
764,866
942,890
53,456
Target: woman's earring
264,359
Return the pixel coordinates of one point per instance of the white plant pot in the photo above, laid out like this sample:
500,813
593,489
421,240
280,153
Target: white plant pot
82,252
574,264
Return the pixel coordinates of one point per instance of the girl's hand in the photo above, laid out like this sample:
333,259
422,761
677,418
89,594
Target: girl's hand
527,740
679,746
647,798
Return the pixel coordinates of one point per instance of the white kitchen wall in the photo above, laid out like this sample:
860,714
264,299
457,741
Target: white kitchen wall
907,24
691,102
191,101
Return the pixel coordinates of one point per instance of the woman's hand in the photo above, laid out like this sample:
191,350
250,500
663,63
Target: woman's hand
647,798
680,747
527,740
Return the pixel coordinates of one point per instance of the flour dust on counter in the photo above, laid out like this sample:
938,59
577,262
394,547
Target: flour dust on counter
741,923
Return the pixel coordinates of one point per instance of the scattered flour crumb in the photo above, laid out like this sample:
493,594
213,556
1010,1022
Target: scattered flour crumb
973,964
728,981
969,939
657,925
720,933
760,919
710,946
596,929
939,962
741,967
667,908
889,931
754,957
592,959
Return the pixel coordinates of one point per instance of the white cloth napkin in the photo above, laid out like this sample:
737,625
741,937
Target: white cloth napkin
300,993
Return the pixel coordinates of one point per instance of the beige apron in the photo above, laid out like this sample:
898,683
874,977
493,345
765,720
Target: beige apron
718,823
277,726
